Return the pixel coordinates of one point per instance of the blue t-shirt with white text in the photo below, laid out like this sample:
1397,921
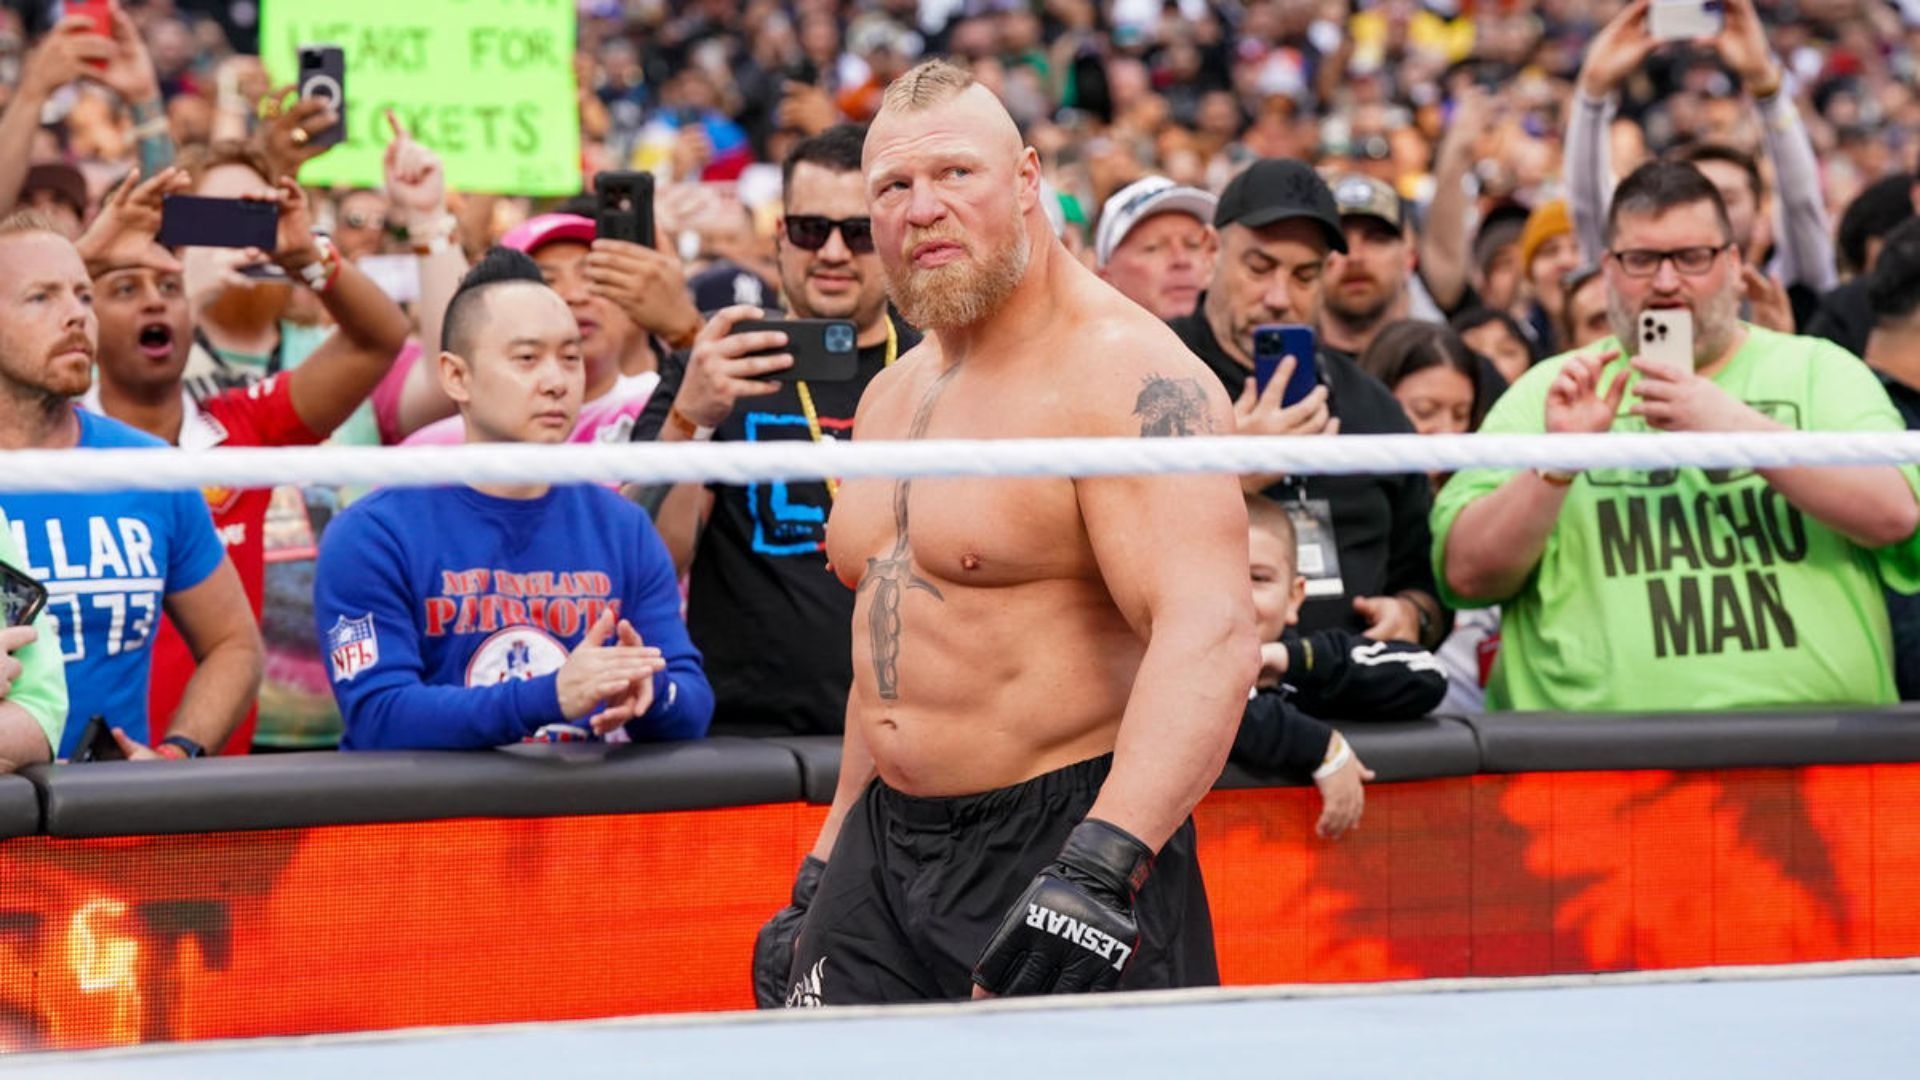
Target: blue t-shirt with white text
109,560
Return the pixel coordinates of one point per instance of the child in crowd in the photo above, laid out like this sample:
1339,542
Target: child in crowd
1326,675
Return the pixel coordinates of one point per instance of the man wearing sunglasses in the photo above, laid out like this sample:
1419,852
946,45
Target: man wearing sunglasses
1684,588
766,614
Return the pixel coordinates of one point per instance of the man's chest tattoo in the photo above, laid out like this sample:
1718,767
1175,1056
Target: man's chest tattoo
892,576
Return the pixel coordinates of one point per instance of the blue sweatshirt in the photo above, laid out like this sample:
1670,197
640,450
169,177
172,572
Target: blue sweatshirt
445,614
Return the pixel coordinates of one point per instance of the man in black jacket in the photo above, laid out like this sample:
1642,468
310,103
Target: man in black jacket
1364,539
1306,680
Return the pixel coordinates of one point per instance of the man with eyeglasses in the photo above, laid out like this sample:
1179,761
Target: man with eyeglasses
1684,588
768,617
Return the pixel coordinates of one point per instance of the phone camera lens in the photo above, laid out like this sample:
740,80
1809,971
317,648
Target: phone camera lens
839,338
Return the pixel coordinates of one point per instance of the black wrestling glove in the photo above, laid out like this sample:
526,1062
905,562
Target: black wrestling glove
1073,930
773,945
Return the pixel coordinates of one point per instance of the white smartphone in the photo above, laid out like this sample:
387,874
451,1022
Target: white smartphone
1684,20
1666,336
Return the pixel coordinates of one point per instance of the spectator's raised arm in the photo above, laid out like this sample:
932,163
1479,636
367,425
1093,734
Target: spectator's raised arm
370,329
417,197
130,74
1446,256
1803,231
122,233
66,54
1619,50
287,137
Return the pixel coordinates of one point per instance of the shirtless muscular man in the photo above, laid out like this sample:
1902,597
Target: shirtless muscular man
1048,673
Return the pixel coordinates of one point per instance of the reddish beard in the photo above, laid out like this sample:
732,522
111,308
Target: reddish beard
962,292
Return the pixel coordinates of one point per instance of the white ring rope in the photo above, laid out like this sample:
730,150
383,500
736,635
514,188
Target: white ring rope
744,463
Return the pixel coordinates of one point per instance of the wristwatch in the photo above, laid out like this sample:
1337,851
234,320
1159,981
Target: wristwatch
179,746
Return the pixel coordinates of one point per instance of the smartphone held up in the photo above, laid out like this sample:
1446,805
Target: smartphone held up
98,13
1276,342
323,78
200,221
823,350
1665,335
1685,20
625,210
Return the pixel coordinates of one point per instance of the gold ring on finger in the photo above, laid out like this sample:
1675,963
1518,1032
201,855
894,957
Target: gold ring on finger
299,136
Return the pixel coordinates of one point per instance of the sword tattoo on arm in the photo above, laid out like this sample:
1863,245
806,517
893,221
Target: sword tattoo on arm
892,576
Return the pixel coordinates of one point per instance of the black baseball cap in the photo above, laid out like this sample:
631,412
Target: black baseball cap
1280,189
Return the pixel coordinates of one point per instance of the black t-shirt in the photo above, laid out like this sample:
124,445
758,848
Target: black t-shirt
771,621
1379,522
1845,317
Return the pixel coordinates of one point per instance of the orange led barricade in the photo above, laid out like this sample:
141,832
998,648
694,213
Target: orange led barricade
387,890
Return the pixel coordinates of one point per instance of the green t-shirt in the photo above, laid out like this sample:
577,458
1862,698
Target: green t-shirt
41,688
1686,588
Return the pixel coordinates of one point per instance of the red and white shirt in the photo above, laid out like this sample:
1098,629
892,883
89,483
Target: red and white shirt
260,414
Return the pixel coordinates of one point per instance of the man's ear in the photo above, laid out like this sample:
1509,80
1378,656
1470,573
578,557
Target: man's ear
1029,173
456,375
1295,598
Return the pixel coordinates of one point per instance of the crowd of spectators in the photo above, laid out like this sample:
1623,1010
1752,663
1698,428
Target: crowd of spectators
1471,202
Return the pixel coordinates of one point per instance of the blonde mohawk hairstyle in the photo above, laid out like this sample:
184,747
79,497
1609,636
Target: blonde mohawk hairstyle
929,83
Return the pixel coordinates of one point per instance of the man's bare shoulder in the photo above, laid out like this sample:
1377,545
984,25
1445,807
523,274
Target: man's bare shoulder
1142,378
898,379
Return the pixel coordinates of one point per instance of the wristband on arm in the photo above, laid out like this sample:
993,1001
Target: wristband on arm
1338,759
179,747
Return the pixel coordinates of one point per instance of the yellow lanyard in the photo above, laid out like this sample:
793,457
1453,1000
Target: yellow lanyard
813,415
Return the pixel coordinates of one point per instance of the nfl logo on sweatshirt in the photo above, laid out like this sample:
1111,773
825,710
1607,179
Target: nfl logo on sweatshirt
352,646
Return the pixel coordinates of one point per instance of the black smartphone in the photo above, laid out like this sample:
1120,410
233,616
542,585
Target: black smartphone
23,597
198,221
97,743
323,77
626,207
823,350
805,71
